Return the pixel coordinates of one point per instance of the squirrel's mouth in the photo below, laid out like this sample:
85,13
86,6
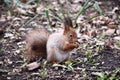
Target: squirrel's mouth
78,37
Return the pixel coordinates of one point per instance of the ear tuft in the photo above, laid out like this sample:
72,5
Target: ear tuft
68,22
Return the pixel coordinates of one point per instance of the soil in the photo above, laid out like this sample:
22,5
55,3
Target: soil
12,62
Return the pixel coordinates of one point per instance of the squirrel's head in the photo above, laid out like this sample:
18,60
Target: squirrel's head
69,32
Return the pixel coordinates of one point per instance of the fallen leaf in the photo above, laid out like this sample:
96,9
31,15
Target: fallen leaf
24,1
91,33
118,32
117,38
8,35
109,43
77,76
112,25
110,32
59,65
22,11
117,47
33,66
105,19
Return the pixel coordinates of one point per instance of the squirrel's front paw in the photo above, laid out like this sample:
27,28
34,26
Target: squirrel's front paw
76,44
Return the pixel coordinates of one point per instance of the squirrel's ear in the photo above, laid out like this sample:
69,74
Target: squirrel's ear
67,28
67,23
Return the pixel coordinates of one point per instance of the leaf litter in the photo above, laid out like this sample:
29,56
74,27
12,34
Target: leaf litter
99,38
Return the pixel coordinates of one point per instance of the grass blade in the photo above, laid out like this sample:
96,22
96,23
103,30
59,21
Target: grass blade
48,18
85,7
97,7
31,20
56,15
68,11
61,8
97,15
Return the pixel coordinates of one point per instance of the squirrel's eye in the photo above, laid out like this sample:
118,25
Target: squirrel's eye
71,35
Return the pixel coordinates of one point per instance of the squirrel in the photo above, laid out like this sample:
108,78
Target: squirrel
36,40
59,45
56,47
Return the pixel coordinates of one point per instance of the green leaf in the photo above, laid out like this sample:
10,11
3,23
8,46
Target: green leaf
100,78
69,65
100,74
89,54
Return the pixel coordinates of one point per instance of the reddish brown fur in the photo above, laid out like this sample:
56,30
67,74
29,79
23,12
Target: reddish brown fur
36,41
62,43
70,46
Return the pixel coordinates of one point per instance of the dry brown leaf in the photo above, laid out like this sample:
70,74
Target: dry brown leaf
39,9
110,32
33,66
22,11
23,1
112,25
105,19
109,43
118,32
117,47
91,33
59,65
77,76
117,38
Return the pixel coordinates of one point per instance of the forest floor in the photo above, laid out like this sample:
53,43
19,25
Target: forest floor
98,56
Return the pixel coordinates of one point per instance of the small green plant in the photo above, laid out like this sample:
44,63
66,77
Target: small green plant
86,6
3,49
118,43
69,65
101,75
43,73
89,54
114,75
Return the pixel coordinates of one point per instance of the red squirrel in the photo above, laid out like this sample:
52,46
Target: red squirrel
36,41
59,45
56,47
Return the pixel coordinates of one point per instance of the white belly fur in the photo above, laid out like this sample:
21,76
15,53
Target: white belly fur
61,56
55,41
